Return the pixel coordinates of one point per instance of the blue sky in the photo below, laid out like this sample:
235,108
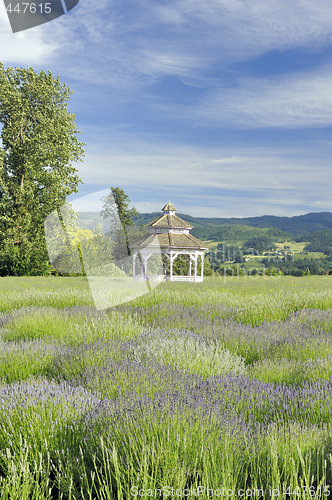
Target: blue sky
223,107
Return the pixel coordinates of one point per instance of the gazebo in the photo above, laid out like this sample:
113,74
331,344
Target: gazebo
169,236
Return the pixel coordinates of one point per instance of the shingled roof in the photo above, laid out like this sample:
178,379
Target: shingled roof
166,220
169,207
169,240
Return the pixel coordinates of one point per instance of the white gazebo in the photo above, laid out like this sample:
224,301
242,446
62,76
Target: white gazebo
168,236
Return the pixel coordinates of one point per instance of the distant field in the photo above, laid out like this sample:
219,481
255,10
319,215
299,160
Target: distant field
212,244
295,247
310,255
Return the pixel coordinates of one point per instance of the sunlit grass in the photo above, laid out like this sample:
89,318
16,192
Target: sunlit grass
69,328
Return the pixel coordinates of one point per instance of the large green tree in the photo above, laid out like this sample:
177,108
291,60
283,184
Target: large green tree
116,210
39,142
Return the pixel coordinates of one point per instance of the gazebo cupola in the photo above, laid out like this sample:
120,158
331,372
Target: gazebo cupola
169,209
170,236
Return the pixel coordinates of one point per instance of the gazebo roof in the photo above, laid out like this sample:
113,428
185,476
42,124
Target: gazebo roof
166,220
169,207
169,240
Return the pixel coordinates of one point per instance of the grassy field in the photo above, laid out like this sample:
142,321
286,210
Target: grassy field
214,389
295,247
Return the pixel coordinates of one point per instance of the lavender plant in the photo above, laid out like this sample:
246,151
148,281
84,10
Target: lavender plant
189,353
206,384
23,360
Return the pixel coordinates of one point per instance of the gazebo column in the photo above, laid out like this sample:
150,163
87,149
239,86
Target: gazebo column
145,264
142,264
202,265
171,266
195,267
165,266
166,256
189,274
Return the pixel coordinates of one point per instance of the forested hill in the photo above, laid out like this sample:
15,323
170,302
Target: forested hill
238,229
296,225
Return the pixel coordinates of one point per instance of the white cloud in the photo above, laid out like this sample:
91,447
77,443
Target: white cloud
292,101
91,202
237,172
243,28
130,49
238,181
27,47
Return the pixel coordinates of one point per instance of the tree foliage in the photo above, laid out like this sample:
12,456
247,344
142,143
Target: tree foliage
39,142
260,244
116,210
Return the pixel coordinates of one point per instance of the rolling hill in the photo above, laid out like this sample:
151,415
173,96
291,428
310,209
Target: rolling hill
237,229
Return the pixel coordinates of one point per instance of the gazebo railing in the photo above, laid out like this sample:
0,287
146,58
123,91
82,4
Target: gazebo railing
186,278
168,278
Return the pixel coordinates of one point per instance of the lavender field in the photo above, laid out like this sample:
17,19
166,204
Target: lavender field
206,390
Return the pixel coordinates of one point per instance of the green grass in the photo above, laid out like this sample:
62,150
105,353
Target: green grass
22,360
38,291
310,255
37,324
295,247
290,371
191,355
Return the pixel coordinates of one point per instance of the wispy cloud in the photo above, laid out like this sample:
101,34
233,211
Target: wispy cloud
185,171
134,43
249,180
129,45
128,48
245,29
292,101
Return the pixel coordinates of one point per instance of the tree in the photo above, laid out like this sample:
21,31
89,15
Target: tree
207,270
116,208
36,175
93,251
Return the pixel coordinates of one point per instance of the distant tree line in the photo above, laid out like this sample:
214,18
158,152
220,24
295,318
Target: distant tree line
300,267
285,263
259,245
318,241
